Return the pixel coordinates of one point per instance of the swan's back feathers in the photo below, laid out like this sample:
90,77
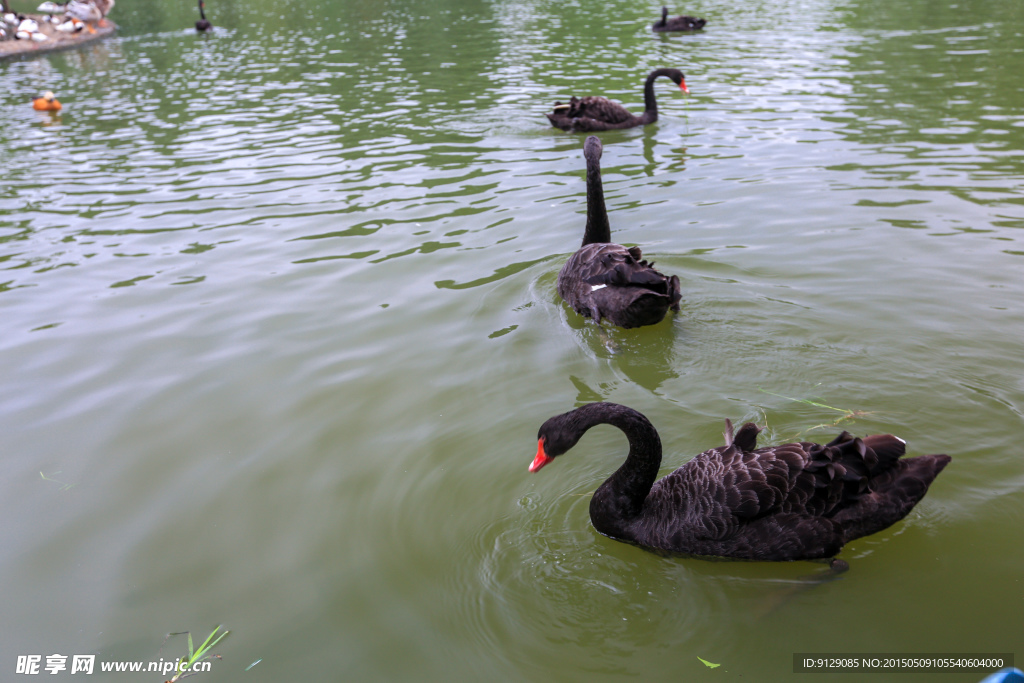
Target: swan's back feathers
600,108
793,501
619,270
593,113
610,281
683,23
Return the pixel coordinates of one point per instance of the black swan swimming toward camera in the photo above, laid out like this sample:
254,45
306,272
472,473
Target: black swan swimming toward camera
203,25
607,281
797,501
600,113
683,23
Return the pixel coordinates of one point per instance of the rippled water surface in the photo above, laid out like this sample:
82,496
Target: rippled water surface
279,326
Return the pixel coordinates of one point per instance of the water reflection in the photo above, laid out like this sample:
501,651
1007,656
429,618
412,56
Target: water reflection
944,100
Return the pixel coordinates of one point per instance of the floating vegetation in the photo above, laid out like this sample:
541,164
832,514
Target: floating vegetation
847,414
709,664
185,664
64,486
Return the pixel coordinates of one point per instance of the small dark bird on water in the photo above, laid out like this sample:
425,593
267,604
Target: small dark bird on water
203,25
683,23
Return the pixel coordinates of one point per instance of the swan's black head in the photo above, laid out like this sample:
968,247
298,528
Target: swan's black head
677,77
554,438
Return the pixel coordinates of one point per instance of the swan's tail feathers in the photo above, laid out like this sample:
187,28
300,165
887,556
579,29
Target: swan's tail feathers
559,119
887,449
560,116
628,275
893,494
648,279
675,293
746,438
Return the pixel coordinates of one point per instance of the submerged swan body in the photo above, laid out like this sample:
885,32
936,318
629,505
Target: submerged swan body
599,113
795,501
607,281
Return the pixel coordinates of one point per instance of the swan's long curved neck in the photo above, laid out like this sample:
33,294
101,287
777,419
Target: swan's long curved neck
620,499
202,14
598,230
650,114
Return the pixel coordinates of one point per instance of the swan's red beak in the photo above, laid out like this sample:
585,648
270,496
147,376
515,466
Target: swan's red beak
682,86
541,459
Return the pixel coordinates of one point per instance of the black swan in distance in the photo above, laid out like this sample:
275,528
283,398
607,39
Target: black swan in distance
683,23
797,501
202,26
600,113
604,280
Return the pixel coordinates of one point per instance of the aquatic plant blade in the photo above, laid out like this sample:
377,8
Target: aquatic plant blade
709,664
804,400
207,644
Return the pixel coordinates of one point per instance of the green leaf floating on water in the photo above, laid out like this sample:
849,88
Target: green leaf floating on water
709,664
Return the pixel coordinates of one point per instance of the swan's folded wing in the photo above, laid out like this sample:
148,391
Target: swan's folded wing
616,266
727,487
600,109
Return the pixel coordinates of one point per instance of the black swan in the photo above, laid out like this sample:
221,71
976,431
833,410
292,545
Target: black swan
604,280
600,113
683,23
797,501
203,25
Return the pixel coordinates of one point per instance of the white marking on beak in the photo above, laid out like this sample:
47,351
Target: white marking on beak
594,288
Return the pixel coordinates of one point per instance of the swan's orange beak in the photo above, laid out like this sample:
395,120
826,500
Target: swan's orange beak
542,458
682,86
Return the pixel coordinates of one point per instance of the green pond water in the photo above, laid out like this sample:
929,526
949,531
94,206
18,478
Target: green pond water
278,326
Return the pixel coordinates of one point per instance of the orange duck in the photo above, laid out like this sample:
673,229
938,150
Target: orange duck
46,102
